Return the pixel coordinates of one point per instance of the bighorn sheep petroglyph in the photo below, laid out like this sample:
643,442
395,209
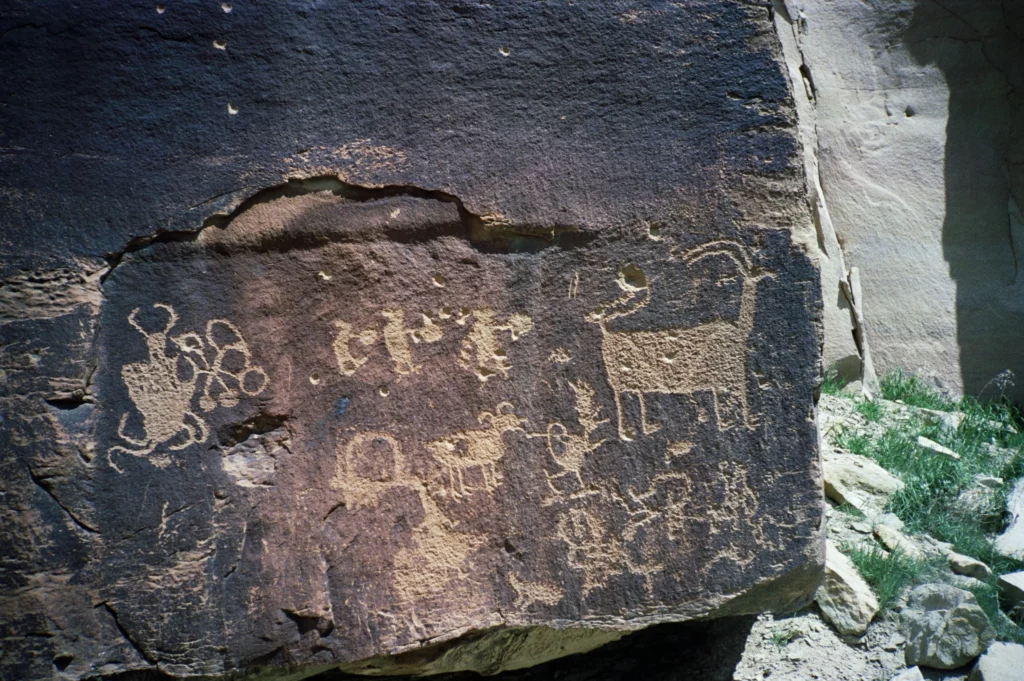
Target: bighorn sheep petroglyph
483,447
711,356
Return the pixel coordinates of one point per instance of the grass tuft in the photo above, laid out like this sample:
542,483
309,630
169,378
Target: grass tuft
869,409
889,575
911,390
856,444
831,383
784,634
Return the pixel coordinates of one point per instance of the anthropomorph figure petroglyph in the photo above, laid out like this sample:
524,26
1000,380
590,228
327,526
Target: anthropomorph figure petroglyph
482,352
218,365
348,363
570,449
685,360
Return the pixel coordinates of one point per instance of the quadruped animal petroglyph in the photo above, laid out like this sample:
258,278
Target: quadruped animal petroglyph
481,448
217,366
684,360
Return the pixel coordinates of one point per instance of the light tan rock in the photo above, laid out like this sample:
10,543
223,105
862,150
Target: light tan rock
845,599
965,565
858,481
918,152
1012,588
895,540
1011,542
912,674
933,446
1001,662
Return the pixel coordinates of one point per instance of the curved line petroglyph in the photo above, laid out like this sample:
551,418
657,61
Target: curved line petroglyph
163,396
685,360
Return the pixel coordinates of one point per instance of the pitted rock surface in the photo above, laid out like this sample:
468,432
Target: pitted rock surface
353,377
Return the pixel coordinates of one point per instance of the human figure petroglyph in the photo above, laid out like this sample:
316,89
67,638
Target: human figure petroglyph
482,448
397,342
481,350
162,388
711,356
570,450
366,466
371,464
348,363
397,337
595,549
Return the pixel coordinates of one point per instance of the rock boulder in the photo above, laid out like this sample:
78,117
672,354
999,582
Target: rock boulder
944,626
397,339
845,599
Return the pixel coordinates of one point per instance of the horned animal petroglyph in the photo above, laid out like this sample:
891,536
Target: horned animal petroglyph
482,447
686,360
162,388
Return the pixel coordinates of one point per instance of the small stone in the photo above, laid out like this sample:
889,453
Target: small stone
890,519
895,540
858,481
965,565
912,674
934,446
862,527
1011,542
844,597
1001,662
988,481
894,642
949,420
1012,588
945,627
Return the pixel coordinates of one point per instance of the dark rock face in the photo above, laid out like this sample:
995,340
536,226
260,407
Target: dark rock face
514,356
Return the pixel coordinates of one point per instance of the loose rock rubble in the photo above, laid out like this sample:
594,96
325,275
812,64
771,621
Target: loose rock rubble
938,625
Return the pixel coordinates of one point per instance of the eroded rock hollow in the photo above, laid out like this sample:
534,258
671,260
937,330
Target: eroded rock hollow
395,412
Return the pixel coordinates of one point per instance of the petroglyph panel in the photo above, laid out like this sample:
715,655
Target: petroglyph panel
349,331
421,435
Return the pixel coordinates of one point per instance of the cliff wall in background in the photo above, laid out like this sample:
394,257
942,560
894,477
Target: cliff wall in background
912,112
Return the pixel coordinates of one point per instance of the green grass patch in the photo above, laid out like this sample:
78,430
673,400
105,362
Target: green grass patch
910,389
851,510
869,409
1008,627
783,634
831,383
857,444
888,575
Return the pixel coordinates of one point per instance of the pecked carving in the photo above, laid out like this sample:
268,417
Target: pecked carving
216,367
